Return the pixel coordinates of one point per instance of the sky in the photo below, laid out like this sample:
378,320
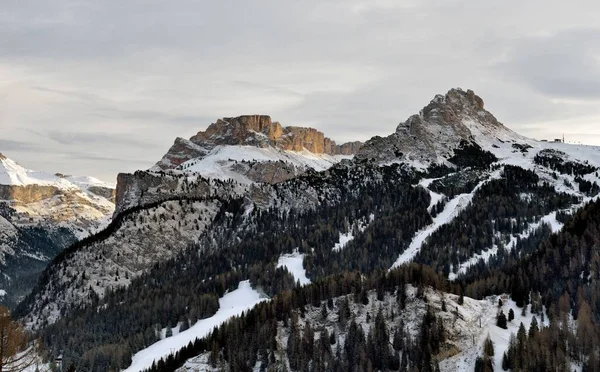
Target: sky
100,87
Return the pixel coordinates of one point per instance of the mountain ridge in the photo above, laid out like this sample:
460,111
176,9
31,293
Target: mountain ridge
430,136
42,213
481,181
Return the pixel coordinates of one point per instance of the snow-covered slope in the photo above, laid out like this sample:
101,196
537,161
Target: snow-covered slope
252,148
13,174
466,326
135,242
247,164
231,304
40,214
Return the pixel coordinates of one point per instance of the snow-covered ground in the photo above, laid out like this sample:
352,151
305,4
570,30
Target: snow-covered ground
293,263
11,173
344,240
549,220
451,210
2,293
231,304
480,321
217,164
347,237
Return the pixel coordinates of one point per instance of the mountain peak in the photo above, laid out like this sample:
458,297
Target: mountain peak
432,135
252,130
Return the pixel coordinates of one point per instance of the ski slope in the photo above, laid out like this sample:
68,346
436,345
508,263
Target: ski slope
293,263
231,304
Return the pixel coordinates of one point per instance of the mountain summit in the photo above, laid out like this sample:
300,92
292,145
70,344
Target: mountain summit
253,148
431,136
257,131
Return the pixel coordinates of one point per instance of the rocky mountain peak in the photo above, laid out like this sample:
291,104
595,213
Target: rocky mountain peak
437,130
252,130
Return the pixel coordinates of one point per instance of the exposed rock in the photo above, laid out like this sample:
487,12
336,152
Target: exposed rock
348,148
40,214
433,134
27,193
181,151
104,192
268,172
252,130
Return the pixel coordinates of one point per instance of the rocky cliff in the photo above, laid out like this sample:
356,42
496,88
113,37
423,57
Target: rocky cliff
40,215
252,130
432,135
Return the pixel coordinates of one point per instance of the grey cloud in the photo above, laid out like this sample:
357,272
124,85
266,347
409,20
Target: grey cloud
7,145
562,65
86,139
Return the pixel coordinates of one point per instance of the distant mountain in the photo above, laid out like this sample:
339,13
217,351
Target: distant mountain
452,192
253,148
41,214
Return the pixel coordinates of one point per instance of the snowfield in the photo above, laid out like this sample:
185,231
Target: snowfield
451,210
11,173
230,305
217,164
549,220
293,263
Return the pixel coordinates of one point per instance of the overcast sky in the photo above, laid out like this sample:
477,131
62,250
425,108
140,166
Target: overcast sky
101,87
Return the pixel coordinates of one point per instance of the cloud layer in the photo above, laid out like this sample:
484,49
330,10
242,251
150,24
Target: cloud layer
99,87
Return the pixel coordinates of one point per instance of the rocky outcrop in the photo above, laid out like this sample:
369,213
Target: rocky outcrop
27,193
105,192
181,151
252,130
268,172
348,148
433,134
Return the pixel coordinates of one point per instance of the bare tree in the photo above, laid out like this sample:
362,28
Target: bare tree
16,352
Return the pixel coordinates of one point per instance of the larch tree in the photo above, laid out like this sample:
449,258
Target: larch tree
15,350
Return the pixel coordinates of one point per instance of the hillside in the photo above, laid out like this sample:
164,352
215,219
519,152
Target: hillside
40,215
452,189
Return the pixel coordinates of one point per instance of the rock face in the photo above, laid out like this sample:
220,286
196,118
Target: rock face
252,130
432,135
40,215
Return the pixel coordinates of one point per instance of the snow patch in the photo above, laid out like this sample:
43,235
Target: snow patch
345,238
294,264
230,305
549,220
217,164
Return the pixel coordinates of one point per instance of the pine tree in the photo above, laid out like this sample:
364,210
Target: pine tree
505,362
511,315
488,347
533,328
501,320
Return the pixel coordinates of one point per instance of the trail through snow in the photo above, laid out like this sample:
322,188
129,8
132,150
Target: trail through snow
231,304
451,210
549,219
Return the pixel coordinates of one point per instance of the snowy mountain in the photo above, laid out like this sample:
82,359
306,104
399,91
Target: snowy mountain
41,214
252,148
446,123
452,189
